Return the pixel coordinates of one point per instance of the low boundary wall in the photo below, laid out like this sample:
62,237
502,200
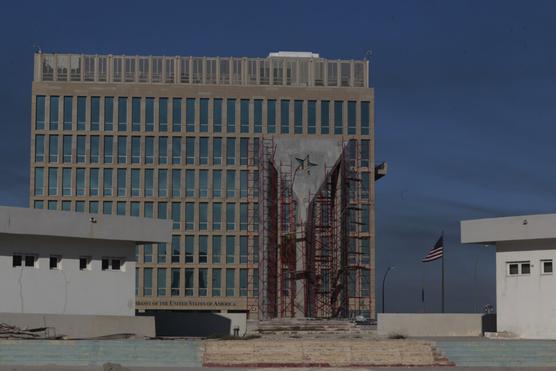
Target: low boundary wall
83,326
435,324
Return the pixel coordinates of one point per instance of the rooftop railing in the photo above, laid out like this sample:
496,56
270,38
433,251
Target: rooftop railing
276,71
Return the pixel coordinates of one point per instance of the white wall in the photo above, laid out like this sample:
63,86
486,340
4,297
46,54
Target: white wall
69,290
430,324
526,304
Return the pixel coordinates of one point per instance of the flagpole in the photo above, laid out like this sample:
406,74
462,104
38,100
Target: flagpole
443,255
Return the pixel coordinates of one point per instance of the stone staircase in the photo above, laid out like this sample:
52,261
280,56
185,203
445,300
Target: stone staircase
309,326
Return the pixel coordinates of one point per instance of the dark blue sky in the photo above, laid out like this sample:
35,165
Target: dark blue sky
465,105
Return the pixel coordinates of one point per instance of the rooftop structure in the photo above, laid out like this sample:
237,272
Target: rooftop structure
278,69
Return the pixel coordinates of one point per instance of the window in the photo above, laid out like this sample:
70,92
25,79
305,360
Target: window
17,260
243,151
95,113
203,284
203,183
231,116
243,282
135,114
230,249
108,113
176,115
365,118
230,151
66,148
135,150
107,207
149,114
189,215
217,151
324,117
243,183
80,149
216,281
39,112
52,205
190,183
161,253
365,158
176,150
271,116
176,215
163,114
66,182
298,116
258,116
338,117
284,116
190,150
94,149
216,215
243,249
54,262
67,113
31,261
122,149
66,205
79,206
244,116
190,115
38,204
161,282
122,114
546,266
148,188
39,147
203,122
149,150
85,263
135,182
121,182
176,182
230,183
52,181
162,183
93,181
189,282
162,150
120,208
203,151
80,182
147,281
81,113
230,216
216,249
203,214
311,117
39,181
53,148
203,249
351,117
175,249
230,282
175,282
189,249
217,115
148,253
519,268
108,149
243,216
217,183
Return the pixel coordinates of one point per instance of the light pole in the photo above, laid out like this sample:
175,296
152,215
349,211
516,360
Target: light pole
383,282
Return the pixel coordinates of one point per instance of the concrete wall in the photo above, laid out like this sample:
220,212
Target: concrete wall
526,304
431,324
83,326
176,323
67,290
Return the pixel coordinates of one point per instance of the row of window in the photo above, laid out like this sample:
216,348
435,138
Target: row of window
203,70
145,150
523,268
197,282
191,216
200,249
124,182
55,262
180,114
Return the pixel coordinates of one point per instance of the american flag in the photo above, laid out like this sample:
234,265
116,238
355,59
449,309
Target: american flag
437,251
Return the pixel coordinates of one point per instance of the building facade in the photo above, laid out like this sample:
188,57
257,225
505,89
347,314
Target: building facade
525,281
65,263
180,138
